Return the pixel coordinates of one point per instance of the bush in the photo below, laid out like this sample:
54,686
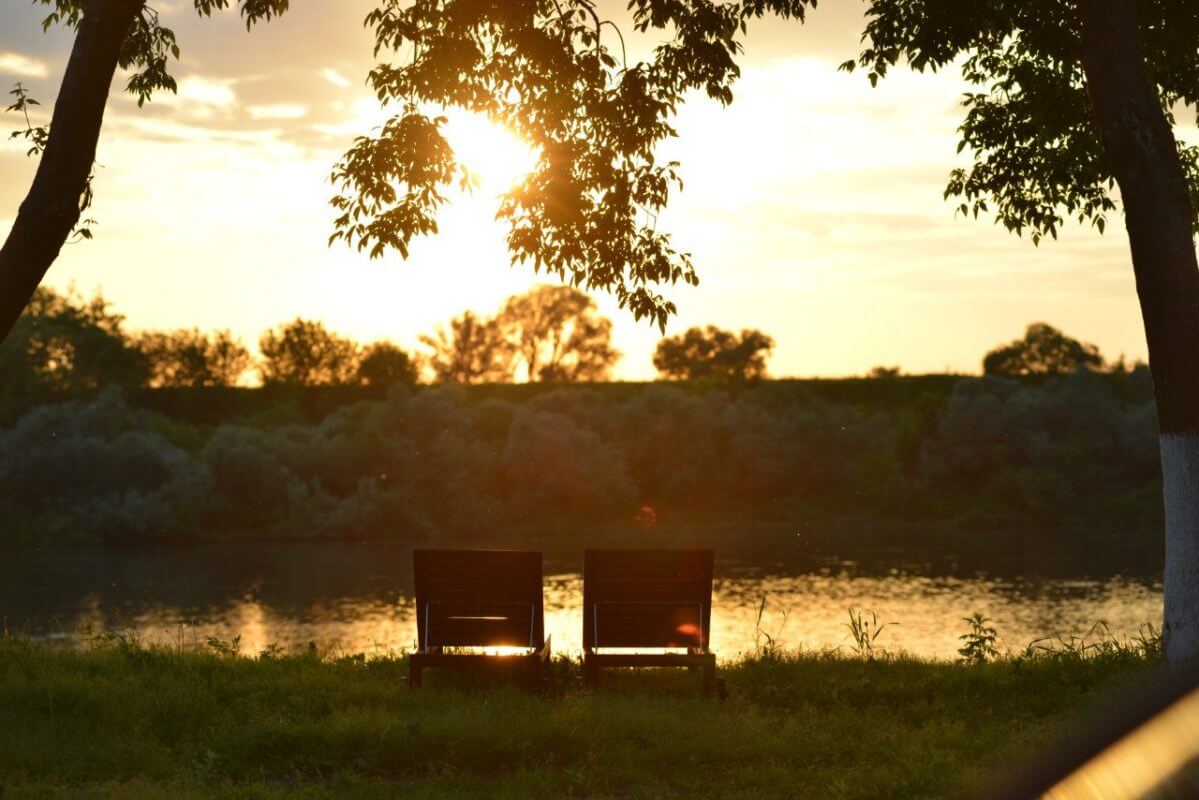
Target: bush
425,459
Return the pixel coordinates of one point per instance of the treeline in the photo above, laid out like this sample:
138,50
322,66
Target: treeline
106,434
64,344
1078,448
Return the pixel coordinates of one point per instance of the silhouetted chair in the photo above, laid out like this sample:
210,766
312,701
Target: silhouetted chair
479,598
638,599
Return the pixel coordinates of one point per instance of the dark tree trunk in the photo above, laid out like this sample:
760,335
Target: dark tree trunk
1140,148
51,209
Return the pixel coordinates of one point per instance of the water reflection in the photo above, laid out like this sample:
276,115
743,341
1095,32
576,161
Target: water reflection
358,598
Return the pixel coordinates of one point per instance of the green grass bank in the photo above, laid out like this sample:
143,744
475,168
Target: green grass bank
120,719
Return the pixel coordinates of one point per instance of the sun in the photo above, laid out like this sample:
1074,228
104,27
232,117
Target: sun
497,156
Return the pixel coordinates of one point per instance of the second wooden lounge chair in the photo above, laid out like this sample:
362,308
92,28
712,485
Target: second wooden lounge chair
638,599
479,599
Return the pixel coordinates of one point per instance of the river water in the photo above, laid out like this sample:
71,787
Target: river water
357,597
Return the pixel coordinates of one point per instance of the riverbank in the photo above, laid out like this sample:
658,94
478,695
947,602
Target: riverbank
120,719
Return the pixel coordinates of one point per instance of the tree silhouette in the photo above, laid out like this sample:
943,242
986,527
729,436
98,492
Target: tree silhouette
108,34
193,357
558,333
304,353
383,364
1044,350
712,352
473,350
1072,99
65,343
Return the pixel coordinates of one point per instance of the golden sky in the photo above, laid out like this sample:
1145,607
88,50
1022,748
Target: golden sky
812,205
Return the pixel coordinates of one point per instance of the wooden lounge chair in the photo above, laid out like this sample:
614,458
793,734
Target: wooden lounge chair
637,599
479,598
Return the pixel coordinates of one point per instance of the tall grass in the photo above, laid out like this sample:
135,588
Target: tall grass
118,717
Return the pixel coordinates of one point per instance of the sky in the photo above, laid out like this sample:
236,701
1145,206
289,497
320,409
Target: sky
812,206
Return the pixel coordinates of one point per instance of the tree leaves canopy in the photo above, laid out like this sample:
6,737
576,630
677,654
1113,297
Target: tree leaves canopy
548,70
149,46
1037,154
556,74
64,343
712,352
383,364
472,350
305,353
1043,351
193,357
559,334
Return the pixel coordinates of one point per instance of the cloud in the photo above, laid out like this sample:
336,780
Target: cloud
23,66
207,92
336,78
278,111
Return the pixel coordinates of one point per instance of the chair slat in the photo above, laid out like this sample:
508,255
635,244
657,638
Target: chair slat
647,598
479,598
471,625
648,624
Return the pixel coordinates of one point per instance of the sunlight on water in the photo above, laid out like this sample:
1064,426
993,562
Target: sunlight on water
808,610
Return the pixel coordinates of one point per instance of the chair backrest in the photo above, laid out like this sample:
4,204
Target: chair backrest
647,598
478,598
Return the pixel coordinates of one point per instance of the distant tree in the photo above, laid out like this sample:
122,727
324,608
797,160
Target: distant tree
712,352
305,353
884,372
193,357
65,343
384,364
1044,350
472,350
559,334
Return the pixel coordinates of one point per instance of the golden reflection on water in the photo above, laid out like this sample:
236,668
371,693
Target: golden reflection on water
808,610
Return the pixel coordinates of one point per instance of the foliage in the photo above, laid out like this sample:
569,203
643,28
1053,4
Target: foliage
713,353
144,57
472,350
34,135
383,364
548,72
193,357
63,343
1044,350
1037,155
1077,449
1051,450
552,73
978,643
766,644
101,465
559,334
864,632
119,718
304,353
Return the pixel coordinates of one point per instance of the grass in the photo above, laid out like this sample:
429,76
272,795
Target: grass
116,718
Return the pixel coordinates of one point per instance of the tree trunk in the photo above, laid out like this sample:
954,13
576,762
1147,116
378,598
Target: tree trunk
51,209
1140,148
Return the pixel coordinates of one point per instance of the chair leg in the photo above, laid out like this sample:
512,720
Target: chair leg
535,674
414,675
709,680
590,674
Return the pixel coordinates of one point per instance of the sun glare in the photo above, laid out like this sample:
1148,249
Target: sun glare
497,156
